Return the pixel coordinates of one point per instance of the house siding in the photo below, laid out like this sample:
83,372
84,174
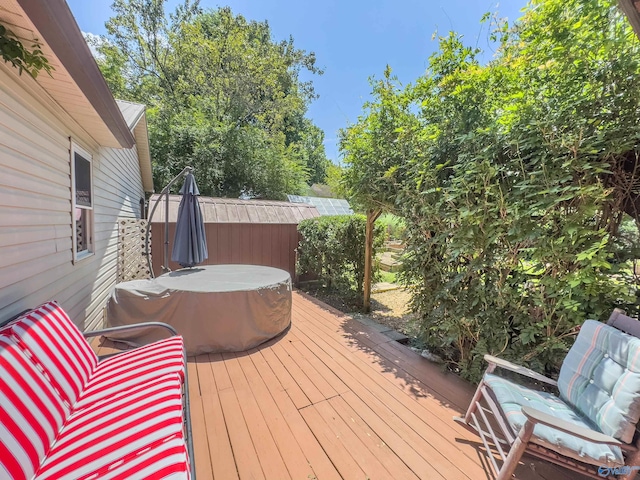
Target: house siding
36,261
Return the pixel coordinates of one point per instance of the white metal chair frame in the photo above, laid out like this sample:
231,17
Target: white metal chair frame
510,445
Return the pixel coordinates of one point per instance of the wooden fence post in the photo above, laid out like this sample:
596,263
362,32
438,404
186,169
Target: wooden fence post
372,216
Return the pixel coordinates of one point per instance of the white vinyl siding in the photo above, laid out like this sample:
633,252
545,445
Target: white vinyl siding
36,249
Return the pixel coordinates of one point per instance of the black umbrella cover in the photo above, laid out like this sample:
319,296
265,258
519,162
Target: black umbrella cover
190,242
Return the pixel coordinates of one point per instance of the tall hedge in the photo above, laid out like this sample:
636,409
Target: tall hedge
514,179
332,247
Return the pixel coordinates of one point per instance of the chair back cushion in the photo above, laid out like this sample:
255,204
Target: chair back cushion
57,347
31,413
600,377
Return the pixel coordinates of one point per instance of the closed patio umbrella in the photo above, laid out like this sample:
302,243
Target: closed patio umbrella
190,242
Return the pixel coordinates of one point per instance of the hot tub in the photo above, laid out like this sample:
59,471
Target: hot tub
216,308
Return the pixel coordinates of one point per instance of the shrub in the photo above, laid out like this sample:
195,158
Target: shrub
332,247
514,178
513,210
393,225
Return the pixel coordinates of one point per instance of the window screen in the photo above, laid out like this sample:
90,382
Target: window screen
83,181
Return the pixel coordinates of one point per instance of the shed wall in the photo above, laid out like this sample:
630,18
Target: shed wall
35,207
272,245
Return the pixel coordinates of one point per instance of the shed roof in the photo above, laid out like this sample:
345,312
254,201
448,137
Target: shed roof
131,112
233,210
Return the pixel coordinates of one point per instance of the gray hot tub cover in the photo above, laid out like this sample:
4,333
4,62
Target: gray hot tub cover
217,308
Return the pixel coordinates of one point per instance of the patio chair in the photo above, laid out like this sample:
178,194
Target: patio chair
590,427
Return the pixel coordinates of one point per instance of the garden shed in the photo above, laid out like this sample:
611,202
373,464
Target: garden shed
253,232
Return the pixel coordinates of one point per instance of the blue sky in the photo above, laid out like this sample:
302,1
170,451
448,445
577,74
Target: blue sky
353,40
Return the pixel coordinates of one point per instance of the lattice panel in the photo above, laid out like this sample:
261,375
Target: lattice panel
132,261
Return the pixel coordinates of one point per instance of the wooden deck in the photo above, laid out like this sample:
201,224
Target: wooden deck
332,398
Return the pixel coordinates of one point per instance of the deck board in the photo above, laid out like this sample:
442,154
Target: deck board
200,438
333,398
287,444
392,462
221,464
426,421
269,455
432,433
302,377
245,452
316,457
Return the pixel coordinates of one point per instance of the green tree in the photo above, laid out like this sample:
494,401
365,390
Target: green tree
515,182
311,147
375,148
222,96
334,180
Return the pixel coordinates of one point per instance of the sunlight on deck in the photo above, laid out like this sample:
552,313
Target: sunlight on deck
332,398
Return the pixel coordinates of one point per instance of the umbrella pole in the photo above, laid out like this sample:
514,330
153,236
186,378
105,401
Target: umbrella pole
165,191
165,252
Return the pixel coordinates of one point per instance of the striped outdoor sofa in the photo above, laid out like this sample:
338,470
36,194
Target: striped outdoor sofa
65,414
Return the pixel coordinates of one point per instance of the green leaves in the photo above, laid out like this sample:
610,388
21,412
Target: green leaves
332,248
378,145
223,96
13,51
514,179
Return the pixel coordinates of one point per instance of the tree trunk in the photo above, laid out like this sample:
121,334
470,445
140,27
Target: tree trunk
372,216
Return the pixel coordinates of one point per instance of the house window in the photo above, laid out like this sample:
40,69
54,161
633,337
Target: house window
82,203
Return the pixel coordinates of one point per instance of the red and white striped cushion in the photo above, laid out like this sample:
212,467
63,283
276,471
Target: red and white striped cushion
126,413
128,369
165,461
56,345
137,431
31,413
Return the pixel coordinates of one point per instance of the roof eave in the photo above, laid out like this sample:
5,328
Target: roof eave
55,23
141,133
